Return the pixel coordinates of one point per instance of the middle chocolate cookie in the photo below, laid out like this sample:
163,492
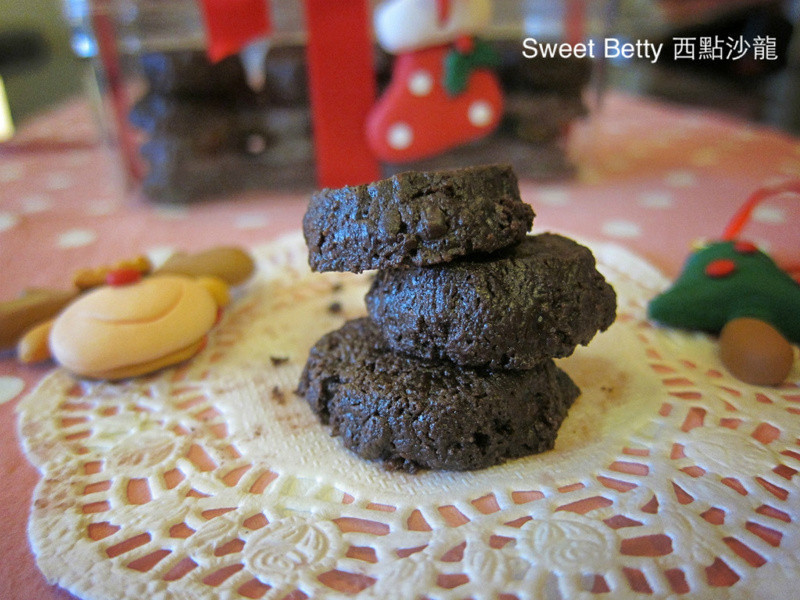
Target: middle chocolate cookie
509,310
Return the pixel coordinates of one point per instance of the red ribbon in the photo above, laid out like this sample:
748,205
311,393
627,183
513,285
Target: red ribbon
742,216
343,89
232,24
575,21
340,70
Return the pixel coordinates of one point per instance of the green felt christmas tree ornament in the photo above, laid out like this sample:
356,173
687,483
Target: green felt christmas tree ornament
733,289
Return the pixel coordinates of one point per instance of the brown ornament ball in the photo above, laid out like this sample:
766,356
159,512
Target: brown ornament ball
755,352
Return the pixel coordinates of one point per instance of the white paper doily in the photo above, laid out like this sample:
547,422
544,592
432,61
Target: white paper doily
213,480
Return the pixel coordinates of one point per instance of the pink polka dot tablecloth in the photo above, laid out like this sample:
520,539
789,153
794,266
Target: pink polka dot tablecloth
652,178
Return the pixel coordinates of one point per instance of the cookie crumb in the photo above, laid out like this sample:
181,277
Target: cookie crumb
277,395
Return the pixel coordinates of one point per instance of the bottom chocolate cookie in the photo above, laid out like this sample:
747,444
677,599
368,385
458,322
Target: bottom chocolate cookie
416,414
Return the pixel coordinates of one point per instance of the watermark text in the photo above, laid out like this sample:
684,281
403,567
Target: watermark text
683,48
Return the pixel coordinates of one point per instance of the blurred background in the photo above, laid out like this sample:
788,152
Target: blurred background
36,61
763,91
40,68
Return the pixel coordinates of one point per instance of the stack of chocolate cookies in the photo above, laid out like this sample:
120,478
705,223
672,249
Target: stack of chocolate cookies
453,369
205,132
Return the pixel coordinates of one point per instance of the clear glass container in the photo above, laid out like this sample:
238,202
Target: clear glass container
187,128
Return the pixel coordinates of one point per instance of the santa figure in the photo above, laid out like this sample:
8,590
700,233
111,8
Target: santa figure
442,93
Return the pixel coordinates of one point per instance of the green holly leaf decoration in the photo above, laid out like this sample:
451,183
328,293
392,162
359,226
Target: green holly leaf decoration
459,64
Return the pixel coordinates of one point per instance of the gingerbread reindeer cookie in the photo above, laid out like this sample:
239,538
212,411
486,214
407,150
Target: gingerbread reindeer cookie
128,320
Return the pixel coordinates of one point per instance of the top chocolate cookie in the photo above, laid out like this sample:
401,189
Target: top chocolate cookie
415,218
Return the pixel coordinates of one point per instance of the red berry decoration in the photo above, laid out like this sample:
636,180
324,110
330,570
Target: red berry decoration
719,268
119,277
744,247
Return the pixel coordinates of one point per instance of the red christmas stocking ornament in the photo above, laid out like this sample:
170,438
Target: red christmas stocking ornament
443,92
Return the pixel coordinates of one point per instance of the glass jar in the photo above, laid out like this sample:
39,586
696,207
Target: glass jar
188,128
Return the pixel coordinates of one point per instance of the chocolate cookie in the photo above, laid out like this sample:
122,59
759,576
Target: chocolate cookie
415,218
511,310
421,414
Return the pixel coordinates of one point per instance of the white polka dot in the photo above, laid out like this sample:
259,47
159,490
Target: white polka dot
694,122
44,129
251,221
705,157
771,215
36,203
591,175
775,180
99,208
420,83
75,238
172,213
656,200
11,172
614,128
762,244
638,150
554,196
746,134
7,221
58,181
400,136
480,113
159,254
78,159
617,163
790,167
621,229
10,388
680,179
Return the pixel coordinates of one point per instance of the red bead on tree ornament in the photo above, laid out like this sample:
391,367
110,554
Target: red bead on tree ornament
744,247
119,277
722,267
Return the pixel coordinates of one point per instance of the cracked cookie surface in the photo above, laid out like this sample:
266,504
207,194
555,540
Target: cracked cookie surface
536,301
415,218
413,414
